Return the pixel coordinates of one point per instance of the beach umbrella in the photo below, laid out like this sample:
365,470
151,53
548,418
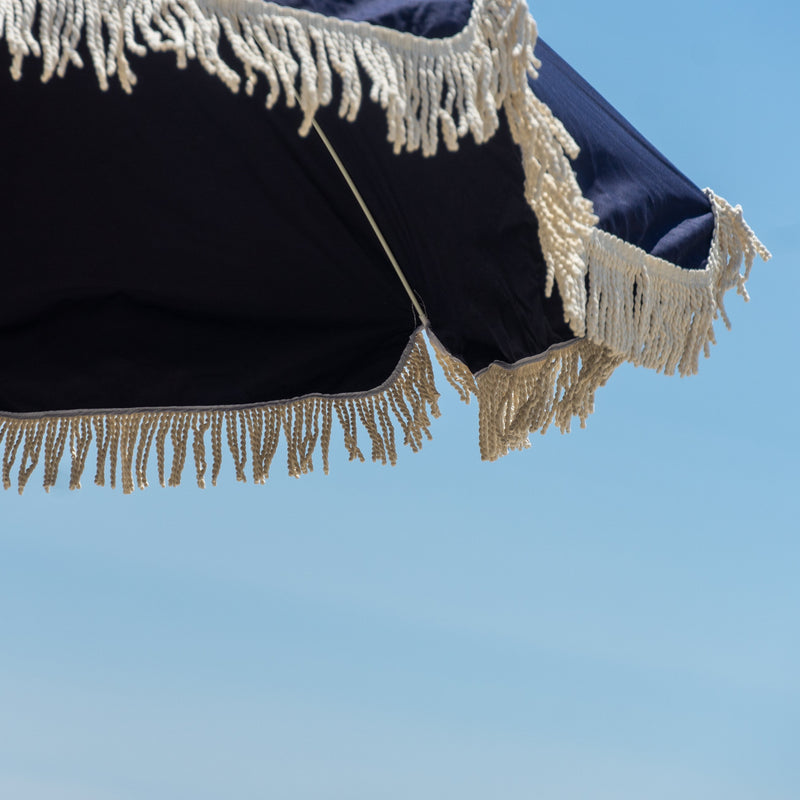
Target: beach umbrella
234,224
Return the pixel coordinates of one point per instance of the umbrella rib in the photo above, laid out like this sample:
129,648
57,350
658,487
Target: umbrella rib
373,224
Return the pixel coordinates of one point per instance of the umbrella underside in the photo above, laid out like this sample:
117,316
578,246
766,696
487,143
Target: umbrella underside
180,265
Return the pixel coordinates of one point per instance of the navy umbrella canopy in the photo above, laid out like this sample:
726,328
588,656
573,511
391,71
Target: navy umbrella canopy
183,265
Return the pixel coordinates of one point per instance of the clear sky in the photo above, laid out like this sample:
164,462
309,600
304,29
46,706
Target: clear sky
611,614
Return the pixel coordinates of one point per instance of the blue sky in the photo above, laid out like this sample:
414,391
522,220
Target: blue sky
610,614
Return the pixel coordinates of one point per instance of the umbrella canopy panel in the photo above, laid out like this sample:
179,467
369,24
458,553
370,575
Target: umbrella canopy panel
179,246
638,195
178,259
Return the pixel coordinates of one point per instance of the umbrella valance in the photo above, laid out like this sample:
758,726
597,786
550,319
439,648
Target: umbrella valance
182,267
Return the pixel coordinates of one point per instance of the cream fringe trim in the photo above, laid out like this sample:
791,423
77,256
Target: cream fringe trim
454,84
519,399
656,314
565,217
429,88
125,440
641,309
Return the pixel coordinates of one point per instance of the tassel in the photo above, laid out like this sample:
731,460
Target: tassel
80,439
657,315
518,399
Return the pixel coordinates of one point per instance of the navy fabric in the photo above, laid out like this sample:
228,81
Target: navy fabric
431,19
179,246
182,246
637,193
